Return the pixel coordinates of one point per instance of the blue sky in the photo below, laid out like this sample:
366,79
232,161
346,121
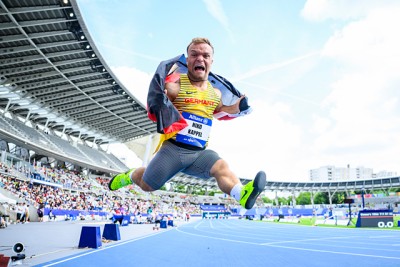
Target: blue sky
322,76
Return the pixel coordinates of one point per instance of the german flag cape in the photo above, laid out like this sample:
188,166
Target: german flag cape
168,118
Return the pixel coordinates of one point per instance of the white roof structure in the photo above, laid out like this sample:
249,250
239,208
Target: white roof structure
52,74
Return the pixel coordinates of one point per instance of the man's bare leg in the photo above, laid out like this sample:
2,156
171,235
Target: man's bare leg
137,178
230,184
132,176
226,179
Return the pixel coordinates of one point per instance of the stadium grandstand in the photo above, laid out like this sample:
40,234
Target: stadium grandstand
61,106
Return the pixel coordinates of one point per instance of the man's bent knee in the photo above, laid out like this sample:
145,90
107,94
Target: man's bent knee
145,187
137,178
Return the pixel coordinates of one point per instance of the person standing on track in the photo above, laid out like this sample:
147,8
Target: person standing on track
197,100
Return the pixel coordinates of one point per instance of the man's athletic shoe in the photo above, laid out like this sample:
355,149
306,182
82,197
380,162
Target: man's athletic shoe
120,180
252,190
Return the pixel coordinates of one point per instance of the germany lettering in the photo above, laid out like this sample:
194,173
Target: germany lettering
199,101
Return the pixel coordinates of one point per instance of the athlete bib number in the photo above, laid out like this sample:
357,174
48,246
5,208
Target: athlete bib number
197,131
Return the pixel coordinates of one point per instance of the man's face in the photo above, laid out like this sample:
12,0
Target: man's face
199,61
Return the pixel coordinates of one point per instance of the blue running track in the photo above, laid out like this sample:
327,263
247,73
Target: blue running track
237,242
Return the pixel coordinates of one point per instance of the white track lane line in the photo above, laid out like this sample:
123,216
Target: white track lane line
102,249
292,248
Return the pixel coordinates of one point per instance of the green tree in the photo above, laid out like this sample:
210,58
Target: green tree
181,188
304,198
339,197
267,200
321,198
283,201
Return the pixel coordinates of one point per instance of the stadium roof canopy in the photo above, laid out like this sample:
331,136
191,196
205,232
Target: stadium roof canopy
383,183
52,74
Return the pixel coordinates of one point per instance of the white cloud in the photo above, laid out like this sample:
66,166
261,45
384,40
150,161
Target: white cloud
263,140
363,101
370,44
320,124
319,10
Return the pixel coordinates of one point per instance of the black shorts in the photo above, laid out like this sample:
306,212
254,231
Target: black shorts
171,159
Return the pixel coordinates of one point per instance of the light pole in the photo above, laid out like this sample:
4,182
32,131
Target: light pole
362,198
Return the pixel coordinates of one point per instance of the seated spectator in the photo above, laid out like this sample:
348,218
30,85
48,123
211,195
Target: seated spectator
51,215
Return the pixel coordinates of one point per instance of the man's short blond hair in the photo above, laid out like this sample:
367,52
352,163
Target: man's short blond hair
200,40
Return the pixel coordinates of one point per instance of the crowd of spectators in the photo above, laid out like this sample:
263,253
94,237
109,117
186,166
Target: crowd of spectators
42,190
60,176
66,190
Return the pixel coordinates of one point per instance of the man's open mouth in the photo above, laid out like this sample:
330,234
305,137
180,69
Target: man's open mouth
202,68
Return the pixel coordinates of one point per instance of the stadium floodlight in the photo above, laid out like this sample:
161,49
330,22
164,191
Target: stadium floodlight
117,89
